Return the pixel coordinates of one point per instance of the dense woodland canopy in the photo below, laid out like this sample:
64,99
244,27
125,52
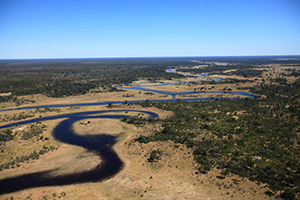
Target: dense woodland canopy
60,78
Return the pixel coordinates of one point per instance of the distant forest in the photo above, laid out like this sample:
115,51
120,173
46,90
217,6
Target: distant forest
68,77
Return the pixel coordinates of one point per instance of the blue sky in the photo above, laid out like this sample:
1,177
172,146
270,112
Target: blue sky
148,28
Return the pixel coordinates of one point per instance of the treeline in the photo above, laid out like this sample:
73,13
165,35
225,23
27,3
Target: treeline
218,69
60,78
34,131
6,98
6,135
247,73
35,155
75,77
15,99
240,70
26,114
16,116
253,60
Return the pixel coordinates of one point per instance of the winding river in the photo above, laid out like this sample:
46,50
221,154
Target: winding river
145,88
101,145
141,86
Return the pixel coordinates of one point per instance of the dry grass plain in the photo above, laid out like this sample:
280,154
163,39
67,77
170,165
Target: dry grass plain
128,95
173,177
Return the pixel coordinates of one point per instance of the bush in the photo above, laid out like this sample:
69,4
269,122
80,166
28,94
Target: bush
155,155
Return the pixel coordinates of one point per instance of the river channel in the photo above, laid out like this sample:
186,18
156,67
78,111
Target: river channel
101,144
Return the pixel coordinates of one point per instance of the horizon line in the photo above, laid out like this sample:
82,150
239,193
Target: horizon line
131,57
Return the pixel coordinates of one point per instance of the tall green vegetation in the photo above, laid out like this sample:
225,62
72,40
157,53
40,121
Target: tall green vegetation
254,138
60,78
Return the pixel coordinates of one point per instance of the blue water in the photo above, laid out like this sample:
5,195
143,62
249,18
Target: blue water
151,114
209,79
141,88
174,94
100,145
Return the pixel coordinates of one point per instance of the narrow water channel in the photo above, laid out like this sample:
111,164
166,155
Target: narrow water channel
101,145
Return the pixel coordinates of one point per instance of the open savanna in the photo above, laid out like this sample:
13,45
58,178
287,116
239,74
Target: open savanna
123,95
174,176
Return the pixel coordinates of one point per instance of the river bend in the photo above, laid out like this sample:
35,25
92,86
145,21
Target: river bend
101,144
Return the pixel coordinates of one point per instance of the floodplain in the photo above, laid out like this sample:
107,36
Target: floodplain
228,147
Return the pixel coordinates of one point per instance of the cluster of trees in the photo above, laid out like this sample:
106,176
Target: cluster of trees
293,72
15,99
254,138
137,121
6,135
26,114
18,116
44,110
24,158
155,155
34,130
247,73
6,98
244,70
